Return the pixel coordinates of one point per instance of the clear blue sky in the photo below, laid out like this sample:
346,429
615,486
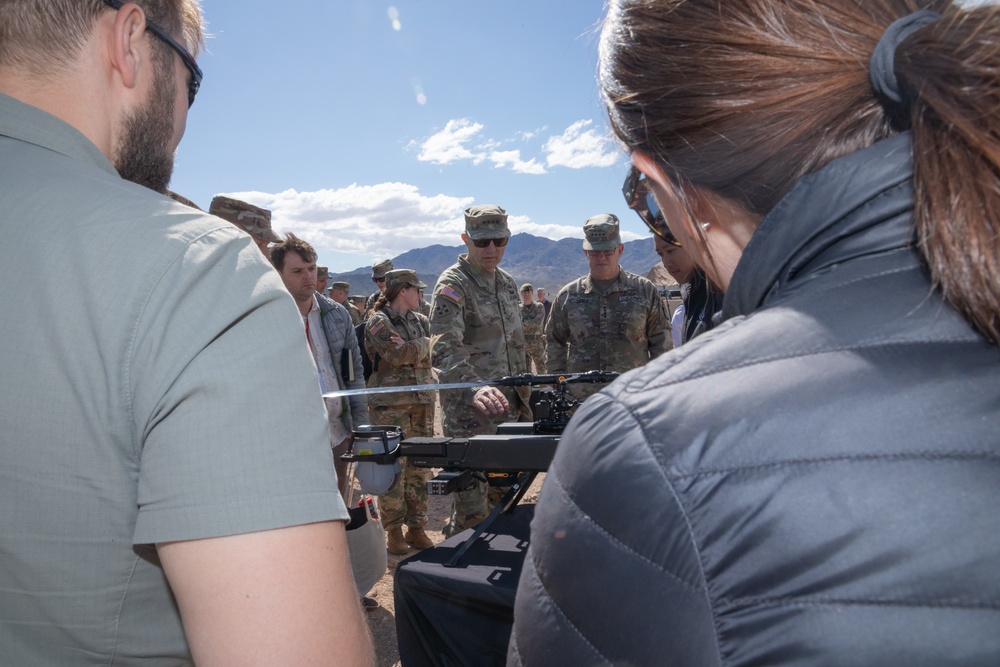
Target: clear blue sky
368,137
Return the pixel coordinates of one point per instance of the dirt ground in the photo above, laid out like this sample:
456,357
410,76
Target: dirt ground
382,621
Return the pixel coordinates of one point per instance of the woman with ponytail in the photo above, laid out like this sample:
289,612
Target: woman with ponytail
815,481
397,338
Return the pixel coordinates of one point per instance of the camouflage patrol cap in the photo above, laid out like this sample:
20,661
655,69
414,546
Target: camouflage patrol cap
340,284
322,273
601,232
182,199
526,287
486,221
379,268
252,219
402,278
357,298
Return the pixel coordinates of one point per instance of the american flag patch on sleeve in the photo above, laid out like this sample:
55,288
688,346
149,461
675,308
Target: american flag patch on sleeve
451,294
377,326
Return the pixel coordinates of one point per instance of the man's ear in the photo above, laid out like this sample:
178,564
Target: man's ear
128,30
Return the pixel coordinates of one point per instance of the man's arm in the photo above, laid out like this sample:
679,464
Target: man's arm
276,597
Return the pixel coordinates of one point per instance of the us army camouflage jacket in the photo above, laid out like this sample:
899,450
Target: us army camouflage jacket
400,365
533,318
618,330
476,331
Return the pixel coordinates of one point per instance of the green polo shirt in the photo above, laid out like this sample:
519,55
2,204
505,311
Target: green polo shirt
155,385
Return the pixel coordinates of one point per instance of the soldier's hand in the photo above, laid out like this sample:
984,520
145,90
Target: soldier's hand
396,339
490,401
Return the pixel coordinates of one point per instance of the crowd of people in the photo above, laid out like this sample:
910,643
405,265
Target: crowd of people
811,479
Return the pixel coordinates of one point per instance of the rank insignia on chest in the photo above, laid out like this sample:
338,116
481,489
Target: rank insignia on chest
376,327
451,294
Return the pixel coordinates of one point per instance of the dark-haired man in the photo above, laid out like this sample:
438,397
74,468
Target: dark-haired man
332,341
151,513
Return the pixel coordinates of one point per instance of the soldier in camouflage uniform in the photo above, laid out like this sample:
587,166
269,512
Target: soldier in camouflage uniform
608,320
477,335
397,339
425,307
358,301
338,292
254,220
533,318
379,270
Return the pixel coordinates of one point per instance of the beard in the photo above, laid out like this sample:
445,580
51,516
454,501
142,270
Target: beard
144,156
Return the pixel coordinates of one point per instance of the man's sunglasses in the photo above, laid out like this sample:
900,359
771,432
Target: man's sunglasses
485,243
639,198
195,83
379,280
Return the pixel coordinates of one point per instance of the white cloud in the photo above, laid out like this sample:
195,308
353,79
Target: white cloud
365,221
579,147
519,224
448,145
356,225
513,158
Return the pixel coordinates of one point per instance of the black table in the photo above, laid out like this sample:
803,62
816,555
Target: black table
462,615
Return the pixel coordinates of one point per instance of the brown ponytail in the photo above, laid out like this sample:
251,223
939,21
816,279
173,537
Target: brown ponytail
386,297
745,97
952,67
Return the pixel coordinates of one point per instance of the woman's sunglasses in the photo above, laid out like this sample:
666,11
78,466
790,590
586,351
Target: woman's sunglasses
639,198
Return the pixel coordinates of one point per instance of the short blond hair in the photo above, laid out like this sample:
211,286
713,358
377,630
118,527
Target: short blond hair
41,36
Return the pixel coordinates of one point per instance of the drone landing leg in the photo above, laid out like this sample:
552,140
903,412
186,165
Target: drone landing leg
507,504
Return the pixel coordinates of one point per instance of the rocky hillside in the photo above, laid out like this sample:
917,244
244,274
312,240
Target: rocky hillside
530,259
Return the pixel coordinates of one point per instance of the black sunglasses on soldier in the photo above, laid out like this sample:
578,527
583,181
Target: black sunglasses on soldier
484,243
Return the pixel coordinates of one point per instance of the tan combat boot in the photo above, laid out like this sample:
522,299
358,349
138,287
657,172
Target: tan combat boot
394,541
417,538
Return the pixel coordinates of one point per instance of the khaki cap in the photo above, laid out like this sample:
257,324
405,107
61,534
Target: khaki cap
402,278
526,287
340,284
322,273
379,268
252,219
486,221
601,232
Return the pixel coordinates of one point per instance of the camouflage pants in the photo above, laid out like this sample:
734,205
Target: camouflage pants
407,503
461,420
471,507
535,347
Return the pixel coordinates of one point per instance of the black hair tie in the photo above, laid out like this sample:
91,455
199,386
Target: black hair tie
881,67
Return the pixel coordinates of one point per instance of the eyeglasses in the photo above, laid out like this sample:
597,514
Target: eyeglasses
639,198
195,83
379,280
485,243
601,253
